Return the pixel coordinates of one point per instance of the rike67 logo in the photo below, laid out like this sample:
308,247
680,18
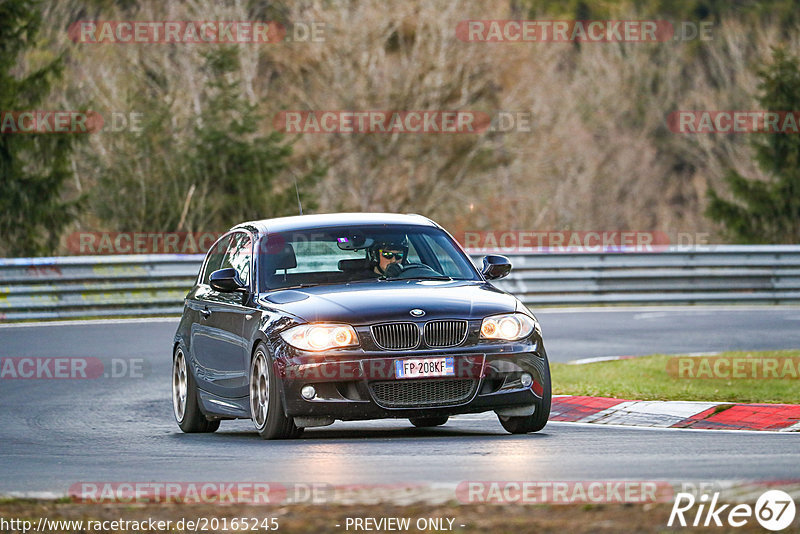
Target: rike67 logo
774,510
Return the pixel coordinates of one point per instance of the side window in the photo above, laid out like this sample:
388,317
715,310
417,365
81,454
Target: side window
214,258
238,256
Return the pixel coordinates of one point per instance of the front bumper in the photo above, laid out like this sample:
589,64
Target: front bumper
362,385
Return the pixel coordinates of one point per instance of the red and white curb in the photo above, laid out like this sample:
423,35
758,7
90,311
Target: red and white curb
673,414
676,414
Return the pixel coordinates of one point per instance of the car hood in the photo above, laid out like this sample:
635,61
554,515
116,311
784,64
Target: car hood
374,302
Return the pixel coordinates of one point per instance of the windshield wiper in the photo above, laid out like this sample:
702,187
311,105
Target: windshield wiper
301,286
363,280
446,278
298,286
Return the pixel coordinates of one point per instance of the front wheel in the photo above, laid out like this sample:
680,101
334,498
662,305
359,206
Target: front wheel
536,421
185,402
266,404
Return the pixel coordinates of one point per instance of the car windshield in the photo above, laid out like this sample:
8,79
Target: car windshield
339,255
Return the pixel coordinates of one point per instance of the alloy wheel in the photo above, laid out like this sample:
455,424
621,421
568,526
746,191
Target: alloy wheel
259,389
179,386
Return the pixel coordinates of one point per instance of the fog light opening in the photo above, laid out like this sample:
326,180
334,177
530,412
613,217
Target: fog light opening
526,380
308,392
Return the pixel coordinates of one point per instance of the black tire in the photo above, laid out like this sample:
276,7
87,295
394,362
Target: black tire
537,421
266,400
185,401
423,422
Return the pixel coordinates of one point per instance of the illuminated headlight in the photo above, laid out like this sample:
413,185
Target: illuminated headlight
509,327
316,337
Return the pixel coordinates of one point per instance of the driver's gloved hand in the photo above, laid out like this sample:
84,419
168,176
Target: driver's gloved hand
393,270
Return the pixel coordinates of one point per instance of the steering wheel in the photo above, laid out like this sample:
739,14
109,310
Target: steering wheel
409,270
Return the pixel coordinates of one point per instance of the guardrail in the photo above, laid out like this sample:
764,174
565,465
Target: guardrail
722,274
98,286
95,286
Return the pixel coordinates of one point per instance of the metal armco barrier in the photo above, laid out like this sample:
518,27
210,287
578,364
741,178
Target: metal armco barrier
95,286
712,274
101,286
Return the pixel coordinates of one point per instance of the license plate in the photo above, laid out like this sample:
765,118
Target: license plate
424,367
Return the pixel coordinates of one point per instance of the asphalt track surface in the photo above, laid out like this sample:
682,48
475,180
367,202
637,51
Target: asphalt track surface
55,433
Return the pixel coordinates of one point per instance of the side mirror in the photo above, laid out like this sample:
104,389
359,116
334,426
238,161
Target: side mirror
226,281
494,267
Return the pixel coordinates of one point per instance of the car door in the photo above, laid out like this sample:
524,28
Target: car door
196,301
220,350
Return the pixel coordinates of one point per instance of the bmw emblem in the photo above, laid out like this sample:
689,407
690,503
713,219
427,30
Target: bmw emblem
416,312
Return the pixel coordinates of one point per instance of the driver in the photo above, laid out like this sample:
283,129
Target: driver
384,253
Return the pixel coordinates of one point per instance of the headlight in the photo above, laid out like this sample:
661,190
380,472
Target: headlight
316,337
509,326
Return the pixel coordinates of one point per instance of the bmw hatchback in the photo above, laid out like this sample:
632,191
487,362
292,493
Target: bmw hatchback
297,322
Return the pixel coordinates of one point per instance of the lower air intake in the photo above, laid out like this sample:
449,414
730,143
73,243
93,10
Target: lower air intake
423,393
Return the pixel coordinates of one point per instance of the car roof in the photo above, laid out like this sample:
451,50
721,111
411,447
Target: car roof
306,222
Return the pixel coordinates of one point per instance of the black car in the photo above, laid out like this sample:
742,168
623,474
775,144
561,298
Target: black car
298,321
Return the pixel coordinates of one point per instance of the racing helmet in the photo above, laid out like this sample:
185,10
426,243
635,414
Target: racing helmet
388,243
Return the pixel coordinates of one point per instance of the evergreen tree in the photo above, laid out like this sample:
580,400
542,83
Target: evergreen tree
768,211
246,172
33,167
206,176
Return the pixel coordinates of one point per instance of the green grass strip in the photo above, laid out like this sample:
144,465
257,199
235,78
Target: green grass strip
670,377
